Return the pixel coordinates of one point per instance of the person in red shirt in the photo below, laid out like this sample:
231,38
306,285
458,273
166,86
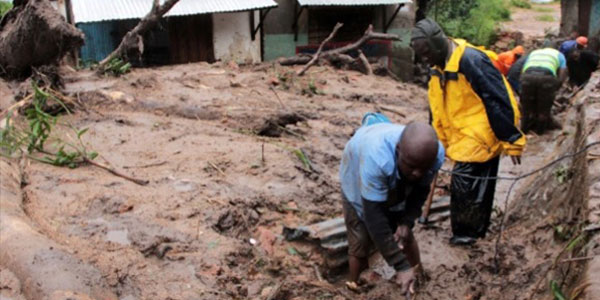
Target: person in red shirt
508,58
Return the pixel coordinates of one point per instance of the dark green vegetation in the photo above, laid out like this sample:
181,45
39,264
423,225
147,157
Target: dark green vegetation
473,20
4,7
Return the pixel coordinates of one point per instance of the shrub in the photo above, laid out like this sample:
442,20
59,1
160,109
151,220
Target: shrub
521,4
545,18
473,20
4,7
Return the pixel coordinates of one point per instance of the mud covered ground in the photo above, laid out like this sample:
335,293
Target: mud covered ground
219,145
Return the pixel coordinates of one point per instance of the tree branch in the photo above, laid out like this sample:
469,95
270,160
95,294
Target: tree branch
133,37
338,54
318,54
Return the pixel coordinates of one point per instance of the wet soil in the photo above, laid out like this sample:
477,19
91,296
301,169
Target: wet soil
208,224
535,22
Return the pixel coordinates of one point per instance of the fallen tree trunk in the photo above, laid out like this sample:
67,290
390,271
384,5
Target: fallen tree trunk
133,39
34,34
339,55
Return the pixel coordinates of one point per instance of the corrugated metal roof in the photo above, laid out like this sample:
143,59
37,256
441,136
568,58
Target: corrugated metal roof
104,10
350,2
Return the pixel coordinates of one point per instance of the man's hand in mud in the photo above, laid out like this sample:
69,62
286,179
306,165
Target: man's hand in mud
516,159
406,280
401,236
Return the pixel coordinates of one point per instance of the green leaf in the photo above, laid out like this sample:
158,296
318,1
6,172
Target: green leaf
92,155
558,294
125,68
576,241
292,251
81,132
37,128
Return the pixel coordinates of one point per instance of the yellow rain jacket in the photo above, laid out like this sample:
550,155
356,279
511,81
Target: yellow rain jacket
473,108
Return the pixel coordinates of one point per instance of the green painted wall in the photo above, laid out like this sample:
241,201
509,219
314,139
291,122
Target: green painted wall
404,34
401,60
282,45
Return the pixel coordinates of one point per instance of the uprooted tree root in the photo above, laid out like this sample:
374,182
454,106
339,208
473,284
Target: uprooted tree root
34,34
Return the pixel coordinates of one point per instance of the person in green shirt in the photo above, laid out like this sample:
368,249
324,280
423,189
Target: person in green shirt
543,73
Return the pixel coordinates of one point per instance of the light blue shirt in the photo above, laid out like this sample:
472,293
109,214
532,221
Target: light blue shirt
368,168
562,61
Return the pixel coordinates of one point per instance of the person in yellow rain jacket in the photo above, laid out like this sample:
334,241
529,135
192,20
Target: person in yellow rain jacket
475,115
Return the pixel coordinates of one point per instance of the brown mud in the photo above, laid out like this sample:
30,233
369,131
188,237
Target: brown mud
536,21
221,147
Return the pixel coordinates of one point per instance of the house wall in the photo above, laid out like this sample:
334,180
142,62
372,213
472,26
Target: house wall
232,39
401,60
595,20
279,34
99,40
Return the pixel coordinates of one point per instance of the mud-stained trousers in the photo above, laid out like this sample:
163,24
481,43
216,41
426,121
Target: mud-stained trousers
538,90
471,200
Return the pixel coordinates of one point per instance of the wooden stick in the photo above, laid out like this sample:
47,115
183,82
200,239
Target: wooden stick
146,166
17,105
319,277
275,291
318,54
369,35
428,202
365,62
217,168
383,108
277,95
578,258
116,173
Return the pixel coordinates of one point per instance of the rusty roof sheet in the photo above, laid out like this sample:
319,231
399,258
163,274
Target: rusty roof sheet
86,11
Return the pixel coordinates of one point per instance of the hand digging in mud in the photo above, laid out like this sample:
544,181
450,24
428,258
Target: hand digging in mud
406,280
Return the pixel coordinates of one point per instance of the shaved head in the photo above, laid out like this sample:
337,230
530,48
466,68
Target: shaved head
416,150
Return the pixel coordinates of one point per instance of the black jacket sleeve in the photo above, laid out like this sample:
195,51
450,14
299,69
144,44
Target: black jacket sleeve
378,225
414,205
487,82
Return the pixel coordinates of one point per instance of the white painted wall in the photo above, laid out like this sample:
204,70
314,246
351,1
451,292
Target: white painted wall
232,40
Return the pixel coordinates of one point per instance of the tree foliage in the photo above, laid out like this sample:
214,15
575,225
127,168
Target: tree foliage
473,20
4,7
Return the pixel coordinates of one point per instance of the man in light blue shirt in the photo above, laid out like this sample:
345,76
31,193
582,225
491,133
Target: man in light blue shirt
386,173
